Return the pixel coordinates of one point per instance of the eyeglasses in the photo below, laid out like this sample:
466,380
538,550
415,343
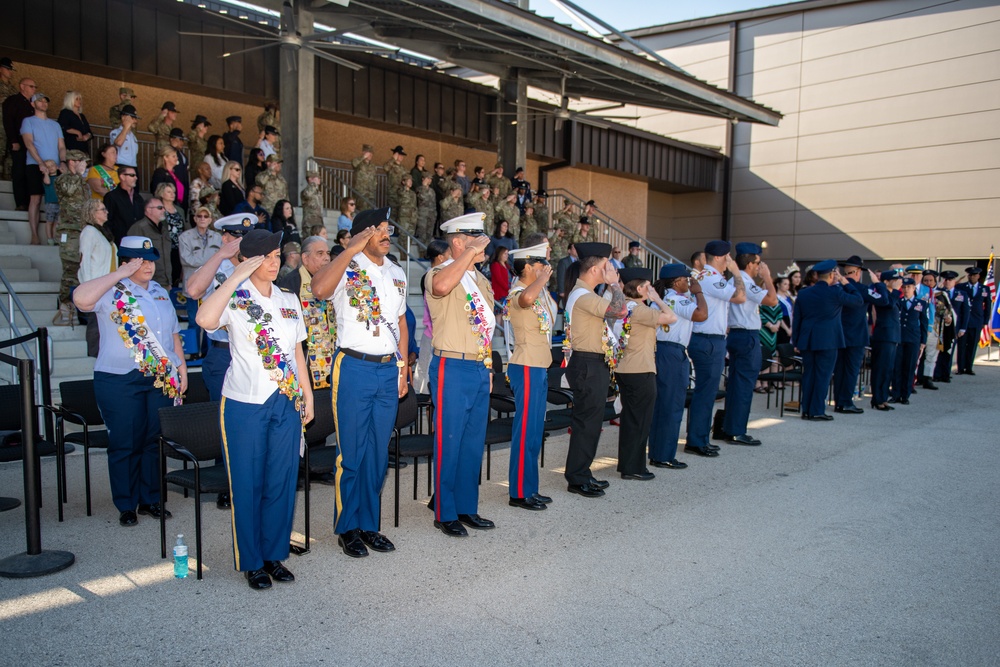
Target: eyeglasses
350,203
390,229
130,175
158,208
235,169
616,252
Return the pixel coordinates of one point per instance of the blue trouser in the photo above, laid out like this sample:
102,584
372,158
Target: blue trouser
460,416
261,447
845,375
743,346
817,370
192,312
708,356
904,369
214,368
531,388
130,406
673,372
365,413
883,364
968,345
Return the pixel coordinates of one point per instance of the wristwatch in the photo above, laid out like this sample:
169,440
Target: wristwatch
400,363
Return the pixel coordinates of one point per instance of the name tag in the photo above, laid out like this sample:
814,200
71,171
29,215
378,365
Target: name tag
400,285
289,313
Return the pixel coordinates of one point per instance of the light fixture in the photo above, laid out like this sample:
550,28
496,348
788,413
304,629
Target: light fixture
763,245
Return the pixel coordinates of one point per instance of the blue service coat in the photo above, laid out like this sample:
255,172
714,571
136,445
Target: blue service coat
979,305
816,319
960,303
886,328
913,321
854,317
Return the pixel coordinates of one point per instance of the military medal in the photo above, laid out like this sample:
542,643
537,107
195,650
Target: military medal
148,354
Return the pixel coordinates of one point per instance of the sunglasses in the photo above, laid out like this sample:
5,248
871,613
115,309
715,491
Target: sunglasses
130,175
157,208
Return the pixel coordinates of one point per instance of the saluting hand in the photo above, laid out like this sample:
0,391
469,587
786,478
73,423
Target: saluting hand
479,243
360,240
763,271
874,276
544,274
230,248
610,274
246,268
130,267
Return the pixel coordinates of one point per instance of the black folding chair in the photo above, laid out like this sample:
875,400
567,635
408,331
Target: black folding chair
79,406
318,457
790,374
191,433
411,445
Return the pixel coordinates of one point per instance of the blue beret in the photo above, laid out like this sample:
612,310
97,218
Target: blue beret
888,275
826,266
909,281
915,268
748,249
671,271
717,248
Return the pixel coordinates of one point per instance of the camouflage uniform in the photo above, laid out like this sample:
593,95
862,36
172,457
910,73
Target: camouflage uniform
115,113
485,207
446,185
270,117
275,188
364,183
216,213
499,186
159,128
633,262
509,212
560,246
198,146
426,212
73,193
541,217
407,215
451,208
312,205
6,163
394,174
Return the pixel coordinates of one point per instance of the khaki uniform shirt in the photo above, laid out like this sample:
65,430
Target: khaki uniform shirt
640,353
452,330
531,346
587,321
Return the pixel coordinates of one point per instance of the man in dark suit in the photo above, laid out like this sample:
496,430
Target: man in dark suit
854,319
980,302
959,301
817,333
912,339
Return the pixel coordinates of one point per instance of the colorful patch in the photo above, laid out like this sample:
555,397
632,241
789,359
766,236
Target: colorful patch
289,313
721,284
918,307
400,285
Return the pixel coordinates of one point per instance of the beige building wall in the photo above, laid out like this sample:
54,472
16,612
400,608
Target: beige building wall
890,144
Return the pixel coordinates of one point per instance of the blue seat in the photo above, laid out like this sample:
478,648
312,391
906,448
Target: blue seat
189,337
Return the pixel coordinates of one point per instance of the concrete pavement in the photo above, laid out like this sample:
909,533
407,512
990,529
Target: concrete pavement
869,540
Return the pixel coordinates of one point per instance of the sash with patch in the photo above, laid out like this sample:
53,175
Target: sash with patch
481,319
321,332
542,311
361,294
609,341
148,353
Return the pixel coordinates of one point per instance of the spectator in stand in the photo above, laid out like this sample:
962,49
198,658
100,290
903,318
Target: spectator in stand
123,137
291,258
153,226
125,205
343,239
98,257
43,141
209,198
795,281
347,210
7,88
198,143
231,139
16,108
166,164
216,159
256,163
233,191
252,205
283,220
103,176
76,129
267,140
419,170
161,126
177,141
461,178
633,261
501,238
203,174
616,258
317,230
196,245
174,221
500,277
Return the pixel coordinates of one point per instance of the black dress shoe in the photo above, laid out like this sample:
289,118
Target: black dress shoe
970,372
476,521
222,501
599,483
545,500
714,448
959,372
377,541
883,407
154,511
277,571
643,476
850,410
128,518
904,401
352,545
587,490
927,384
258,579
709,453
673,464
821,418
803,416
452,528
945,380
743,440
529,503
893,401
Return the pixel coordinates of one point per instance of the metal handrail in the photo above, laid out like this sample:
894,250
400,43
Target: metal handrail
13,300
608,230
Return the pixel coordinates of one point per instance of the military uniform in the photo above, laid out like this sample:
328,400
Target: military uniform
312,205
364,182
115,112
854,321
73,193
198,146
499,187
743,346
884,343
484,206
959,301
160,130
528,227
451,208
270,118
6,159
912,336
980,300
426,212
394,173
407,215
506,210
275,188
565,222
541,216
632,261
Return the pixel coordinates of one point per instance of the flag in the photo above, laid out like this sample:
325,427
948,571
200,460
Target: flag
992,327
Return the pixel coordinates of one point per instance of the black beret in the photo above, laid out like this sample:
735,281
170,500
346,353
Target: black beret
259,242
373,217
637,273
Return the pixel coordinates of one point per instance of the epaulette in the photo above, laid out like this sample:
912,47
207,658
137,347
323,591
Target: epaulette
285,289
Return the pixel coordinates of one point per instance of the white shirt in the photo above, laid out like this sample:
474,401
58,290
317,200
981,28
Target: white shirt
247,380
268,149
746,315
160,318
389,283
226,269
684,307
718,291
128,151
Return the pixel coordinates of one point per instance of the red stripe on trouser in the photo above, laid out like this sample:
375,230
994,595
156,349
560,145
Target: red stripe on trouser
439,438
524,431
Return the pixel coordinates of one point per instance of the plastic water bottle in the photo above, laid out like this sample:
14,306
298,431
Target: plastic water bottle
180,558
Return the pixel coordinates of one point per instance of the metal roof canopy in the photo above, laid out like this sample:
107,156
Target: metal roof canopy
491,36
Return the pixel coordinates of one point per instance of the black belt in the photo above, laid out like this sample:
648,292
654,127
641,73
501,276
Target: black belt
377,358
671,344
697,333
732,329
224,344
588,355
